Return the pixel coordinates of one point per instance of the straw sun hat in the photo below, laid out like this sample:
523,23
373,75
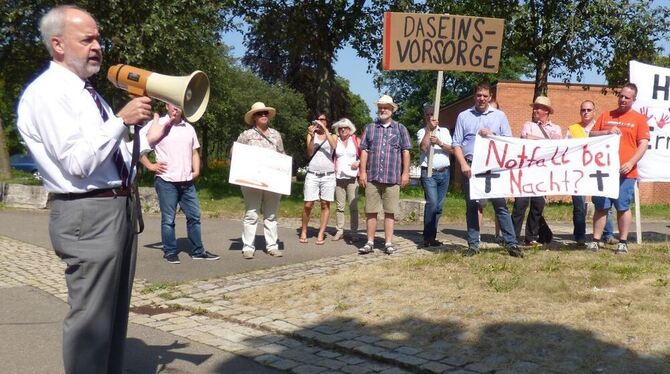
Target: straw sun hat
259,107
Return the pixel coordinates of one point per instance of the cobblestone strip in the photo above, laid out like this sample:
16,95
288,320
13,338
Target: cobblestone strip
264,336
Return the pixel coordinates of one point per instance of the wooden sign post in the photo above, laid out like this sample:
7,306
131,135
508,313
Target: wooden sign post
417,41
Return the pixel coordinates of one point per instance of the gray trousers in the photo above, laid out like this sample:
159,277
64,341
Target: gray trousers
95,237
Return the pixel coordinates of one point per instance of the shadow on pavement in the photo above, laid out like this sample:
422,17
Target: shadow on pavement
511,347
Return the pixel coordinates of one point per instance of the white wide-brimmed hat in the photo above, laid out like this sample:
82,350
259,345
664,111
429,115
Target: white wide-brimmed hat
387,100
344,122
544,101
259,107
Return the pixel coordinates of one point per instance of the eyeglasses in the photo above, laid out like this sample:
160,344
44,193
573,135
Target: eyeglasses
586,110
322,119
262,114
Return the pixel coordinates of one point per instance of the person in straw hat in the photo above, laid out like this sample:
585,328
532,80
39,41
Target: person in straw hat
347,159
540,128
384,168
260,135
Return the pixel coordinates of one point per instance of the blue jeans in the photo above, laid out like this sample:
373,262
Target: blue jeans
579,218
169,195
472,218
608,231
434,190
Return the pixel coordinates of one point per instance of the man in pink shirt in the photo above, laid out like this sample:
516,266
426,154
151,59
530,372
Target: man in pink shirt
540,128
177,165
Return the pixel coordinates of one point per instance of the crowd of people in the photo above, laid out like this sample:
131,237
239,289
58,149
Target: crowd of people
79,144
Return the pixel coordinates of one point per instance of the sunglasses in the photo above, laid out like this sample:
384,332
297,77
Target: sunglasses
262,114
322,119
586,110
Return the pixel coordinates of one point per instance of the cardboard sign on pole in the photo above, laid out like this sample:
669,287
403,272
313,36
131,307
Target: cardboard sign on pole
418,41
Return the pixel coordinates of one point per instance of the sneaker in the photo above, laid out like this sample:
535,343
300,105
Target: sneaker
621,249
515,251
274,252
580,244
471,251
389,249
173,259
531,243
593,246
248,254
337,236
611,241
206,255
367,248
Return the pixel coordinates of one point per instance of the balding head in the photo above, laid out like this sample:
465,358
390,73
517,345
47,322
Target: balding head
72,38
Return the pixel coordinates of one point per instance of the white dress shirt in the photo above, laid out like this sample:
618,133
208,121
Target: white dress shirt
440,157
71,144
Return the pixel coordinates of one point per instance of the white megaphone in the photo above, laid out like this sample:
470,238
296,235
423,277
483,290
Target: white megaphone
188,93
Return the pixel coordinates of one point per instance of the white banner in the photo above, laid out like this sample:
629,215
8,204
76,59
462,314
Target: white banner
260,168
653,100
513,167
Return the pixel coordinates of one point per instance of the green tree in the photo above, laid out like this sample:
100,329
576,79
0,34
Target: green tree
296,43
567,38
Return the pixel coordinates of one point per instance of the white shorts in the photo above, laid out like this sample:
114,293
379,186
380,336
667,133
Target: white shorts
319,188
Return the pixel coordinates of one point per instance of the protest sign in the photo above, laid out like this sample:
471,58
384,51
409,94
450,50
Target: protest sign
513,167
414,41
260,168
653,100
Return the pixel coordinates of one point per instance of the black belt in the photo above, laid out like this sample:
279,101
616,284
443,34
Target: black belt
106,192
323,174
438,170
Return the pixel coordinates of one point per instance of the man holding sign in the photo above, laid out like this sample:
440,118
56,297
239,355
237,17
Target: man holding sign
484,120
633,132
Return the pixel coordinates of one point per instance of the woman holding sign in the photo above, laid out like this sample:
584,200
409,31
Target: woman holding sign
260,135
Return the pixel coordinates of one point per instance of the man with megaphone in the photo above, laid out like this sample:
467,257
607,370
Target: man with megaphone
77,142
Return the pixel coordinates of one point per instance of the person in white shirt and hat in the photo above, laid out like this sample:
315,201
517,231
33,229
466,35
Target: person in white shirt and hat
260,135
347,160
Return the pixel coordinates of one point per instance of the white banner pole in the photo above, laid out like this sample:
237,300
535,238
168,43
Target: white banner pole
436,115
638,223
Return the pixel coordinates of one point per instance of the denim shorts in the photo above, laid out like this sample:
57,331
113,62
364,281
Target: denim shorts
622,203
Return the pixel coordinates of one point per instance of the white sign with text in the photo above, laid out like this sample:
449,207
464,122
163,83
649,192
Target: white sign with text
653,100
513,167
260,168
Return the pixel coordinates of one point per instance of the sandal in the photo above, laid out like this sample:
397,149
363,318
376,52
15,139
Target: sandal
389,249
302,240
367,248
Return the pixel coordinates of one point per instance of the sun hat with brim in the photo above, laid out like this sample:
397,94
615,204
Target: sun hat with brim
387,100
344,122
543,101
259,107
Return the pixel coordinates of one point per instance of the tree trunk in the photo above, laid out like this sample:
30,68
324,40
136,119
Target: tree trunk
204,146
541,77
5,167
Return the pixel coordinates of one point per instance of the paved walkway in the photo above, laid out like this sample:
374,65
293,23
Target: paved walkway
202,311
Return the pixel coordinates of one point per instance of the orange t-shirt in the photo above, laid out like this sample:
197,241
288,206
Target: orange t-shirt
634,128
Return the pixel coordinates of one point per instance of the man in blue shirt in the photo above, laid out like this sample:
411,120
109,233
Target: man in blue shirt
484,120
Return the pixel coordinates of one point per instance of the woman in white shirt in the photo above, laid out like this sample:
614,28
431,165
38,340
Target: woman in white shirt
347,158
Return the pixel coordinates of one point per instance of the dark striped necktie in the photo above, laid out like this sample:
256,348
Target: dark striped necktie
116,156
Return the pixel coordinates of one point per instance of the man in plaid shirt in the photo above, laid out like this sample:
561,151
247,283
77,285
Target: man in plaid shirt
385,146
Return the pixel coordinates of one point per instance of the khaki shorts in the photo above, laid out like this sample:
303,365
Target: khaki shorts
381,195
